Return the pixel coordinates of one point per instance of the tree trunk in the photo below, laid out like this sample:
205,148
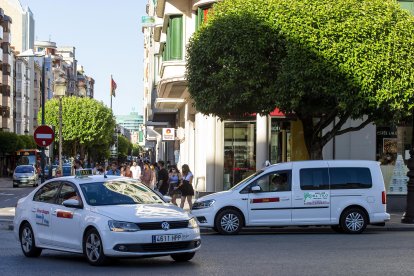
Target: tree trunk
313,140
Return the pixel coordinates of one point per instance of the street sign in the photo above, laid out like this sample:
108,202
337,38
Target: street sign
44,135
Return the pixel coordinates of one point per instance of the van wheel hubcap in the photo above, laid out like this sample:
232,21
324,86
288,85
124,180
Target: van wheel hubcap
27,240
354,221
230,222
93,247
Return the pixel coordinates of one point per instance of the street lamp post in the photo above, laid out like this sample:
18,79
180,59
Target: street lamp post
60,91
31,53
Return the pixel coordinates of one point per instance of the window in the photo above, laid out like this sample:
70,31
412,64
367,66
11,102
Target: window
173,48
67,192
202,16
273,182
314,179
47,193
350,178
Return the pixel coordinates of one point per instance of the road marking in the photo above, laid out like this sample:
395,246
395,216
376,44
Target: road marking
6,194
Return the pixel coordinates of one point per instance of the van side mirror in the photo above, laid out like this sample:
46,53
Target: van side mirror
255,189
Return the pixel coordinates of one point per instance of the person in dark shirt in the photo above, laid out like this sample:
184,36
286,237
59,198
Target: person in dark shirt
163,184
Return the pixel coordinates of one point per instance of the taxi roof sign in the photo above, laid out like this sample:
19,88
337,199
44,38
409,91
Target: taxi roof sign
83,173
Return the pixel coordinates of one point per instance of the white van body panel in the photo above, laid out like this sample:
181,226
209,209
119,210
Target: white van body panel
300,206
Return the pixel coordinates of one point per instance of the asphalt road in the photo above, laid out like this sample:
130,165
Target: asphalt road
10,195
275,252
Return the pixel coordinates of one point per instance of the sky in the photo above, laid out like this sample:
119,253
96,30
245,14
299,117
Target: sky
108,39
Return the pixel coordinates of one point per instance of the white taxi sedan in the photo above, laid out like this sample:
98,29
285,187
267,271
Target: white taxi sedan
101,217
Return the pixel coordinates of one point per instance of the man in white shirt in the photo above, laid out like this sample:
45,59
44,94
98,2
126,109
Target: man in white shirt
136,171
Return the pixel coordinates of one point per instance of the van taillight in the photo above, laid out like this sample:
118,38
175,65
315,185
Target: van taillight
384,197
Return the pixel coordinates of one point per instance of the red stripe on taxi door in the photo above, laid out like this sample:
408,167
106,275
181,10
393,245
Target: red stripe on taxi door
265,200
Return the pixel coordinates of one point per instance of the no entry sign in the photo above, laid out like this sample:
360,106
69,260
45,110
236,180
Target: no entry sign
44,135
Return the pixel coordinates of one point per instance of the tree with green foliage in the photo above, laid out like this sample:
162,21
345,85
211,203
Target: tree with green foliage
8,143
26,142
86,124
124,147
324,61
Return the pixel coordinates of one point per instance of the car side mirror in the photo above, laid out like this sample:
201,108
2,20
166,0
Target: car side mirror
72,203
255,189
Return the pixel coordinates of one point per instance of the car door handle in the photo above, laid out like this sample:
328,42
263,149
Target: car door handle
54,212
244,198
284,199
34,209
298,198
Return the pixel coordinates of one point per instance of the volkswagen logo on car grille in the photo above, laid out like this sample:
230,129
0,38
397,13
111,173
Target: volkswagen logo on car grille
165,225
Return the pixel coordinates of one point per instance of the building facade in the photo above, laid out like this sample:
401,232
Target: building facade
220,153
133,122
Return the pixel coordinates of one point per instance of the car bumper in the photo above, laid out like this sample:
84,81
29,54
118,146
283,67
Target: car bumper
140,243
205,217
379,217
24,182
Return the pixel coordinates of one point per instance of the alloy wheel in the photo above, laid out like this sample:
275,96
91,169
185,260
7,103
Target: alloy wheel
230,222
27,239
354,221
93,247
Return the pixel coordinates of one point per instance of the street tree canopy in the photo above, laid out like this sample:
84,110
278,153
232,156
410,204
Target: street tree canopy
323,61
85,122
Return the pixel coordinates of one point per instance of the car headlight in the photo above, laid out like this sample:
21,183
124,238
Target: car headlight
192,223
203,204
122,226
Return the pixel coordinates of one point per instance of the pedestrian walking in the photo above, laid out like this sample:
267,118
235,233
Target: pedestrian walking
174,180
146,175
136,171
128,172
162,178
153,177
114,169
186,187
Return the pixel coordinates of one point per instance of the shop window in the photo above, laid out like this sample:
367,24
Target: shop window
239,151
280,145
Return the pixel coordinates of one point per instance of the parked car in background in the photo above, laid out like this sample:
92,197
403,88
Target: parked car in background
25,175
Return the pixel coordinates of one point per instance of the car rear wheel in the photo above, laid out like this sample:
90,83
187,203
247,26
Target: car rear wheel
27,242
228,222
353,221
93,248
183,257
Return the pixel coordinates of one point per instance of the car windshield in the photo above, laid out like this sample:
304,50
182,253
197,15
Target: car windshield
245,180
118,192
25,169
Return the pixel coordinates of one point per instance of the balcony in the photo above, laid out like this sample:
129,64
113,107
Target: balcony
173,84
5,90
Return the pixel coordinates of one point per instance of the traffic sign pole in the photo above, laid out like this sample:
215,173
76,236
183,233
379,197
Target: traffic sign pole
43,136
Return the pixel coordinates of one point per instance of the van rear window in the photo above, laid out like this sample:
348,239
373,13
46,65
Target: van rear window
350,178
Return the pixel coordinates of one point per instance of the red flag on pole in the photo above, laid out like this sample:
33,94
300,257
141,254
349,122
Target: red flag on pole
113,87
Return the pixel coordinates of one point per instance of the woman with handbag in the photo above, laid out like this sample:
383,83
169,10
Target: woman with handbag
186,187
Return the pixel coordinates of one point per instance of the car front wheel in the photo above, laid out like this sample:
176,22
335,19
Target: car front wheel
27,242
93,248
228,222
183,257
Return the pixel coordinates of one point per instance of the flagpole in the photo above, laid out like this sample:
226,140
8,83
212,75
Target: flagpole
110,93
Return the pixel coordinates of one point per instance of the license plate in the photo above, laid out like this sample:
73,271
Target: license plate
23,180
167,238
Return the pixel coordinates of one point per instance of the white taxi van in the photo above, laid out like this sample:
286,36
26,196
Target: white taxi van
347,195
103,216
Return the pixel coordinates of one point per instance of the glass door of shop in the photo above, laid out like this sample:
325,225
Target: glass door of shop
239,152
280,141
